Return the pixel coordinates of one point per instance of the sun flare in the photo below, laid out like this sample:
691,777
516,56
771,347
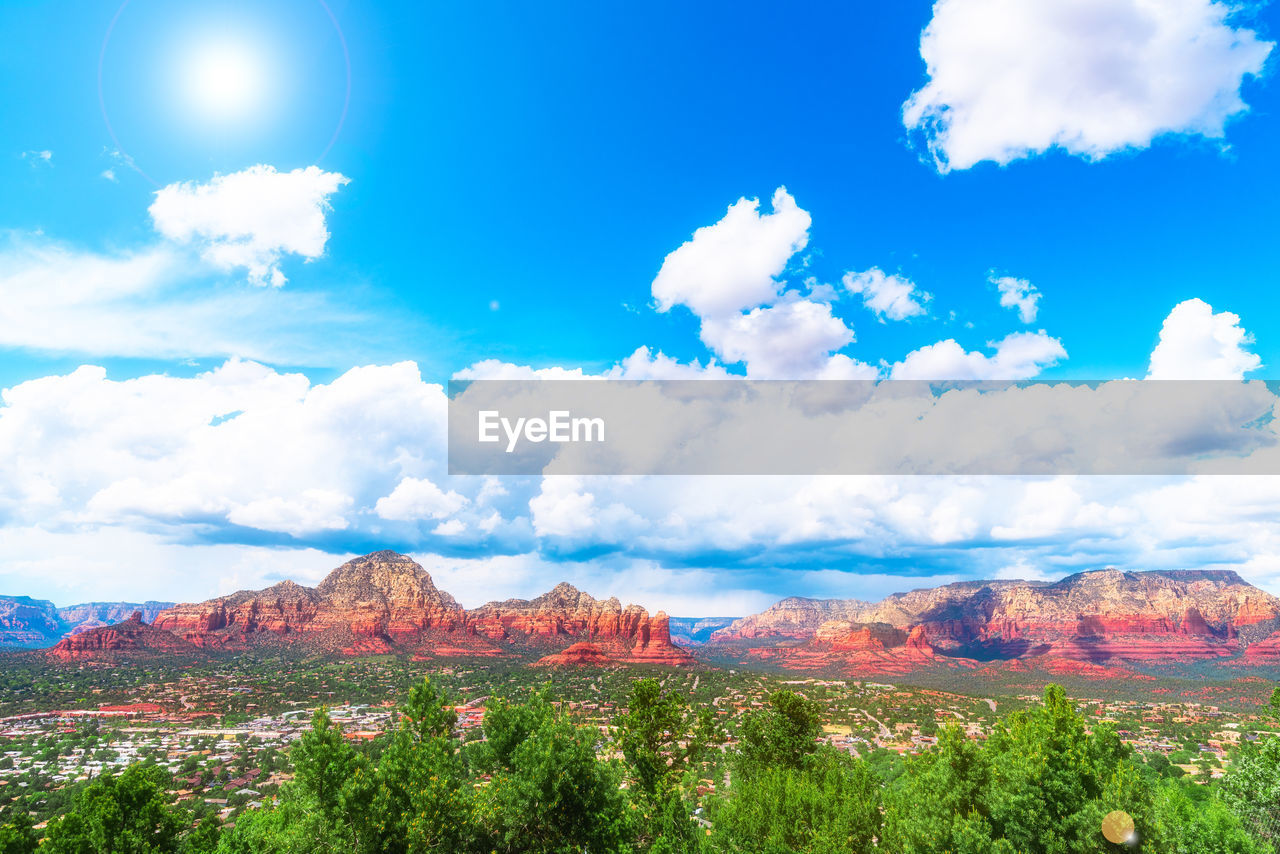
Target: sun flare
224,80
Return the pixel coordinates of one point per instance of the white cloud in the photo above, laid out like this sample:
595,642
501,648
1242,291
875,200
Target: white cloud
1196,344
496,369
451,528
791,340
237,445
250,219
1018,294
1011,78
311,511
891,296
42,157
1019,356
417,498
734,264
110,175
156,302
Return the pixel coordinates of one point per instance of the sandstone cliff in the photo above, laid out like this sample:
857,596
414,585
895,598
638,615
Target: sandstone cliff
1092,616
131,637
385,601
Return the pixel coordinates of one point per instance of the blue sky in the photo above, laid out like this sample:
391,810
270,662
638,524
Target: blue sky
513,180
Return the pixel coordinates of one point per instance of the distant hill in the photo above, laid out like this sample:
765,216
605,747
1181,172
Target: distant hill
1096,616
36,623
697,630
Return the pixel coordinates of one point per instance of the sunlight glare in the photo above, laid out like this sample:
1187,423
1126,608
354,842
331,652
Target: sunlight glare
224,81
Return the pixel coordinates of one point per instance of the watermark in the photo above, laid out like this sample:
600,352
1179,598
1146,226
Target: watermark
559,426
719,427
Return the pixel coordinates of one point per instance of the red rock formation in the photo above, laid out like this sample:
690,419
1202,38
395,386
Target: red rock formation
1265,650
1093,616
794,617
566,613
132,636
581,654
385,601
653,644
367,605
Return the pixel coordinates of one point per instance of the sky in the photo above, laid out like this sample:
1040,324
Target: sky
243,245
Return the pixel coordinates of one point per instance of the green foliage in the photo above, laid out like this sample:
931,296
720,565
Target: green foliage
552,795
1040,784
295,825
323,762
827,802
18,837
1275,703
1251,789
1204,825
507,724
125,814
784,734
660,739
422,800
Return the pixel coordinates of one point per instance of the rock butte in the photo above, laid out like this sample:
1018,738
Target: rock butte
385,601
129,638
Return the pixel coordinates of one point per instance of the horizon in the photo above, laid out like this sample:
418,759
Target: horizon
477,604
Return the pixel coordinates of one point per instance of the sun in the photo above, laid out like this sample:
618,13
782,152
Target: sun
224,81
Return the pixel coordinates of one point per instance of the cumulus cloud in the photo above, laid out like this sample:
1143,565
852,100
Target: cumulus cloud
1019,356
250,219
417,498
790,340
234,446
1197,344
891,296
1018,294
42,157
86,460
734,264
1010,78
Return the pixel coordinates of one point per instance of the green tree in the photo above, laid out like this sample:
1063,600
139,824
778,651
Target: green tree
323,762
18,837
784,734
295,824
423,800
828,802
661,739
1199,826
550,794
1251,788
125,814
1041,784
945,801
1275,703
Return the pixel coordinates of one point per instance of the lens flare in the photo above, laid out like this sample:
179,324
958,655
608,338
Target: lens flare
224,81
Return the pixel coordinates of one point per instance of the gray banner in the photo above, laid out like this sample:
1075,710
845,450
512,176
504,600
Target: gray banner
1118,427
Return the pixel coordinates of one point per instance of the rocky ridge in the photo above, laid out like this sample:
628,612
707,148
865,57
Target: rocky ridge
1093,616
130,637
385,601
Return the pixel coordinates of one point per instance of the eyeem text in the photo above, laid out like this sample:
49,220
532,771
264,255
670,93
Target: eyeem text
559,426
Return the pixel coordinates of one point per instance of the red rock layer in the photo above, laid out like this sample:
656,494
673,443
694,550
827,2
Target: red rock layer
132,636
582,654
1092,616
385,601
364,606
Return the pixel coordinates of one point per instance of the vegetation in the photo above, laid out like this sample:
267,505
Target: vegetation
544,780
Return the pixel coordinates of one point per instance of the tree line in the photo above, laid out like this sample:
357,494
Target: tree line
541,782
